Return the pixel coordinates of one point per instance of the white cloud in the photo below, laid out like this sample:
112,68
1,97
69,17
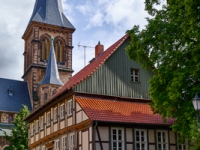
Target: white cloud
102,20
14,19
85,9
116,13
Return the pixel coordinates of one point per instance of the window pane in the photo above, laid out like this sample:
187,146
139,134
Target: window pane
120,145
114,137
114,131
114,144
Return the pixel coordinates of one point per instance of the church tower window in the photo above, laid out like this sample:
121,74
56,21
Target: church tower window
59,50
45,48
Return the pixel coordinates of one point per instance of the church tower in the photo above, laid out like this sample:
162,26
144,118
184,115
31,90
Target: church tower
47,20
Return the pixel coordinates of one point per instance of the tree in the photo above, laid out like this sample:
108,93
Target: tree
19,135
170,46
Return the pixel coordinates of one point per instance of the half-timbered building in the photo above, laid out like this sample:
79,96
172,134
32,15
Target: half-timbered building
103,107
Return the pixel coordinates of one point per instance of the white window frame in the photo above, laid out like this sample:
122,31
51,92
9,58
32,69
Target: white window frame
71,141
32,128
140,139
64,143
117,138
135,75
42,123
69,107
62,111
57,144
55,114
48,118
163,140
183,146
36,126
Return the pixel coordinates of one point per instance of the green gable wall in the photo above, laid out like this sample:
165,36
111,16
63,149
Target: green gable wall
114,77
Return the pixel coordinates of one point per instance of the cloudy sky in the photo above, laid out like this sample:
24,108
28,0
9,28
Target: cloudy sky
95,20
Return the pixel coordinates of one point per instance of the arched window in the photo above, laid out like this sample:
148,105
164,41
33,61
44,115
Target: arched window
59,45
10,118
45,48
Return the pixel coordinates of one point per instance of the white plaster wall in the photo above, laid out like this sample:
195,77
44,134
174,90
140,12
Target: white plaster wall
129,146
104,133
129,135
79,117
48,131
172,137
78,108
151,147
55,127
80,137
151,136
42,134
85,117
62,124
172,147
85,142
70,121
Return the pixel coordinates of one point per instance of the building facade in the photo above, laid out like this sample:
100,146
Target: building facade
47,20
13,95
103,107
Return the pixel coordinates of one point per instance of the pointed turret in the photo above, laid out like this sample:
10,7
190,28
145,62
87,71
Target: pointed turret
51,74
50,12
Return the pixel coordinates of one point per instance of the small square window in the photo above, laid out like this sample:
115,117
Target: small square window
36,126
71,142
55,117
134,75
62,111
69,108
42,122
57,144
64,142
48,119
162,140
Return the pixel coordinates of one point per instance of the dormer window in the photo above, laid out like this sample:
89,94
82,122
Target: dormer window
10,91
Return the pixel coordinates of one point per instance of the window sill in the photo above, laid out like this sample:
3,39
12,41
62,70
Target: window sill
136,82
61,119
69,116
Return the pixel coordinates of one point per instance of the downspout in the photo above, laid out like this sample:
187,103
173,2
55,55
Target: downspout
94,138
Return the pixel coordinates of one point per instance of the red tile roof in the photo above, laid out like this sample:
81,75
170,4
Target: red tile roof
92,67
120,111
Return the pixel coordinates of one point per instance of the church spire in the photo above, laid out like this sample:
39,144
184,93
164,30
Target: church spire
51,74
50,12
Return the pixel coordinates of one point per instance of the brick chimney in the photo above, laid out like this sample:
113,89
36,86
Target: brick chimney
98,49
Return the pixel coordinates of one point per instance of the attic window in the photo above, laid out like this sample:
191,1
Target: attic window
134,75
10,91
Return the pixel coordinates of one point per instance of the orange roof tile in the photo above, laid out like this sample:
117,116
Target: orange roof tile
120,111
92,67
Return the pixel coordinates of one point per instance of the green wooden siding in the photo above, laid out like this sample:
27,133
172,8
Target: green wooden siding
114,77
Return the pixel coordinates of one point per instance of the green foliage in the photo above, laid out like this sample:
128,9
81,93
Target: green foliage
19,138
171,43
195,136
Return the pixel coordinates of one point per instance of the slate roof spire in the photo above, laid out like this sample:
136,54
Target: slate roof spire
50,12
51,75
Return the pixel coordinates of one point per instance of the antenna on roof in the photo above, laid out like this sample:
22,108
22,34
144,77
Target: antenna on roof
84,46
